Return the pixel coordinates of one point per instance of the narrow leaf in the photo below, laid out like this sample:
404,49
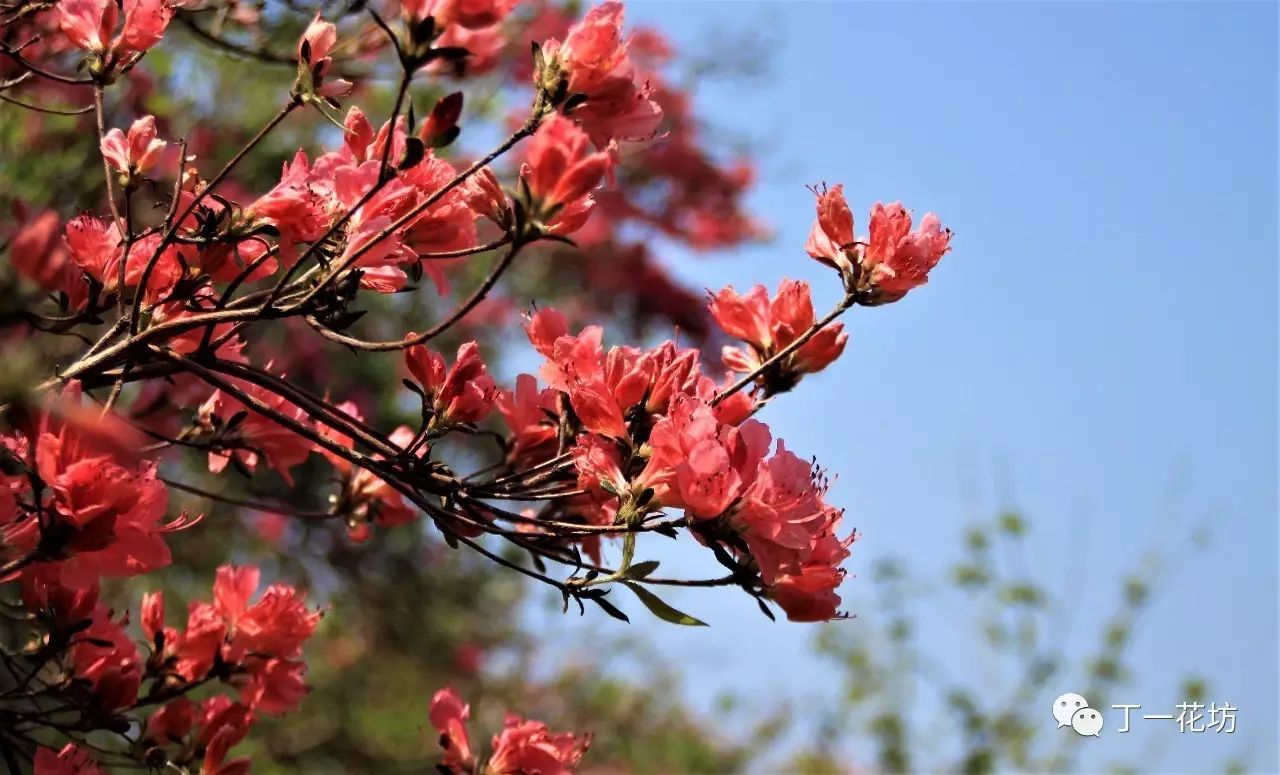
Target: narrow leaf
642,569
659,608
610,609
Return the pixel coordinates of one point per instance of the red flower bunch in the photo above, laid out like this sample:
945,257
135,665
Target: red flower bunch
253,647
365,498
90,25
213,306
462,393
78,504
593,69
469,14
521,747
768,327
892,261
559,175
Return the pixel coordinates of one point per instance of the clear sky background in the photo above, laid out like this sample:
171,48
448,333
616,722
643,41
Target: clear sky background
1099,350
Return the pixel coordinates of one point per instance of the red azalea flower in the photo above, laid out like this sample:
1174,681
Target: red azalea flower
594,60
528,746
449,716
138,151
560,172
462,393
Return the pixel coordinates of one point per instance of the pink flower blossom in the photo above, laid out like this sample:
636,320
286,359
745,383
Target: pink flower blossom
769,326
136,153
366,497
698,463
317,41
792,535
485,196
223,725
61,606
892,260
831,239
900,259
106,657
173,721
468,14
560,172
89,24
462,393
530,415
594,59
255,437
744,317
108,506
296,205
144,24
521,748
96,246
262,641
529,747
599,465
449,716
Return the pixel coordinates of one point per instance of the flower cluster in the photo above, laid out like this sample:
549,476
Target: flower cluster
252,648
462,393
521,747
655,434
78,504
438,30
559,175
769,326
364,498
891,261
243,437
388,225
212,305
90,25
592,69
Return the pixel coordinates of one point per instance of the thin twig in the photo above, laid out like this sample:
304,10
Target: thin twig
458,313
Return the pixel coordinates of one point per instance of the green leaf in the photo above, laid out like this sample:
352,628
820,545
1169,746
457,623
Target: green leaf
660,609
642,569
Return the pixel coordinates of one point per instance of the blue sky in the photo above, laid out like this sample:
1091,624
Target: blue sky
1099,350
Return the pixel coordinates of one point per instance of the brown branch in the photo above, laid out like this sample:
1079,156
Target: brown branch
458,313
167,240
245,503
51,111
31,66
